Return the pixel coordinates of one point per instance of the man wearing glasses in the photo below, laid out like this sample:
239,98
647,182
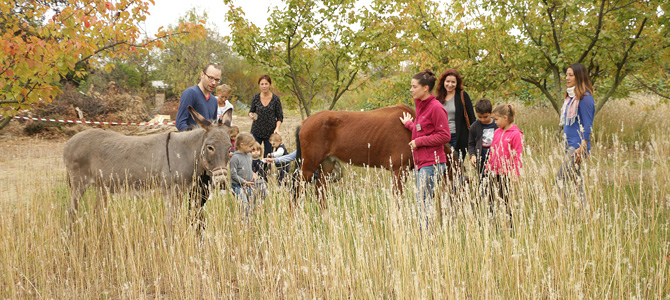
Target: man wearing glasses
200,97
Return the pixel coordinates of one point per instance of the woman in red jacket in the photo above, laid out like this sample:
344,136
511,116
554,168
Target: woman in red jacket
430,131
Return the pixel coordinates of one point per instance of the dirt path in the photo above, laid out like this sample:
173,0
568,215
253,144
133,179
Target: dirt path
27,165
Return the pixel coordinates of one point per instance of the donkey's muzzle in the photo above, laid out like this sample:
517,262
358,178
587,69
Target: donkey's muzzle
220,175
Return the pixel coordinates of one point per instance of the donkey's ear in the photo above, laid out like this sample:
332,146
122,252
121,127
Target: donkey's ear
227,118
199,119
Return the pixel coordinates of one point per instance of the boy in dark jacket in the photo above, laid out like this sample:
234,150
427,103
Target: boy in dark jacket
481,135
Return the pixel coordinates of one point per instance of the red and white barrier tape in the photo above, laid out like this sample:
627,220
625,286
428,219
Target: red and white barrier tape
92,122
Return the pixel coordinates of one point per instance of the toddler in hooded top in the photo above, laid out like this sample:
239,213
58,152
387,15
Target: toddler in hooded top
507,144
244,181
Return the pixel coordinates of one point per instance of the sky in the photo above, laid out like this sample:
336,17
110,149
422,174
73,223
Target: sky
167,12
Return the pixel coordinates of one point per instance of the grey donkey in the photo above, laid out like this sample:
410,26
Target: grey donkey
172,161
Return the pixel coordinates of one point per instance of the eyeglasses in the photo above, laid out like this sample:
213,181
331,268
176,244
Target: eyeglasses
216,80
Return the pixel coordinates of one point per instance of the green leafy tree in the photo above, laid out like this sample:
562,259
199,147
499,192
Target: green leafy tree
655,73
435,35
496,44
242,78
314,49
180,63
614,39
42,41
127,76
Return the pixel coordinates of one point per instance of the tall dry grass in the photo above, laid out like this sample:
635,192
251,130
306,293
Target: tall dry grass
368,244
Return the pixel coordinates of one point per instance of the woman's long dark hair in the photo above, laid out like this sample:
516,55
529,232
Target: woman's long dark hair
582,81
441,90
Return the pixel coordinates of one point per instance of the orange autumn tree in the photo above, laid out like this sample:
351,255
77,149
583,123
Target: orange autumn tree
43,40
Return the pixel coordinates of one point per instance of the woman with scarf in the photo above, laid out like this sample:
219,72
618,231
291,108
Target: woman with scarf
577,116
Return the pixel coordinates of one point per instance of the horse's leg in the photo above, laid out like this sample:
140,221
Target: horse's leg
327,166
398,174
193,200
296,182
308,168
320,188
205,190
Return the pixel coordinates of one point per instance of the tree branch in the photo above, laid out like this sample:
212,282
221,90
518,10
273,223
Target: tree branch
118,43
553,28
594,40
544,90
537,41
618,78
9,102
651,88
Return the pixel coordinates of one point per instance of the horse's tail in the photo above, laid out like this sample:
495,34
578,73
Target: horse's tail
298,154
295,180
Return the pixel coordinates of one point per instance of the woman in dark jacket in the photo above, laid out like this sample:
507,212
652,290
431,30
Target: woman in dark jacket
460,112
266,111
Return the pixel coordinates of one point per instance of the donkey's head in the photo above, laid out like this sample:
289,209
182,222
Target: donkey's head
215,149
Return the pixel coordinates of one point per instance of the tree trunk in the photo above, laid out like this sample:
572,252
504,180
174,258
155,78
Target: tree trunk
558,90
302,112
308,112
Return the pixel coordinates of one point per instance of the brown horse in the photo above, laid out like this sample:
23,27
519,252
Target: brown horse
374,138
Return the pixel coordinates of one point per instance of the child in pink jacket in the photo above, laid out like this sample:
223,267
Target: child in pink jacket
505,154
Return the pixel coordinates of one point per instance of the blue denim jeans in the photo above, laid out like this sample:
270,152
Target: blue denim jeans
426,180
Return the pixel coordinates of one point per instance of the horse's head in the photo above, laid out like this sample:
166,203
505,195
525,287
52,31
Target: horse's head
215,149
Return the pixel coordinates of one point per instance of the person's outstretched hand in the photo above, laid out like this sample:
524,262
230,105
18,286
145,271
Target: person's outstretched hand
405,118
